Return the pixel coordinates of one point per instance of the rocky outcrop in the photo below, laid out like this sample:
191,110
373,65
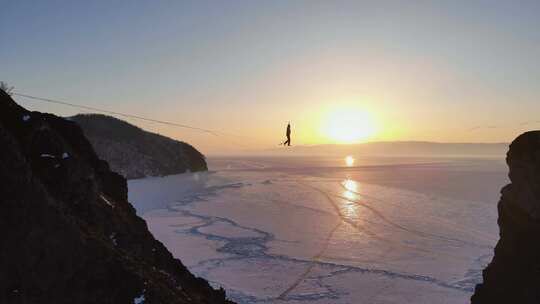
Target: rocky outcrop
67,232
513,276
135,153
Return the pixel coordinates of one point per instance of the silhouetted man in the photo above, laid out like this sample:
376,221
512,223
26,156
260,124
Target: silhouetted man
288,134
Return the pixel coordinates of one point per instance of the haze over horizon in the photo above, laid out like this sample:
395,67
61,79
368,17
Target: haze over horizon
341,72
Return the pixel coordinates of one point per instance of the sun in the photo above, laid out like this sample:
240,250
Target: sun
347,125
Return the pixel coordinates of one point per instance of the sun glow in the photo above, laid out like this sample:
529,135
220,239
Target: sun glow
348,125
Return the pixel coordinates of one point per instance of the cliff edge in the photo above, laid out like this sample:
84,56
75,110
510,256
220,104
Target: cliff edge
68,233
513,276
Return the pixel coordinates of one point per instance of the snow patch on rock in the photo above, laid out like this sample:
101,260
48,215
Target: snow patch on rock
140,299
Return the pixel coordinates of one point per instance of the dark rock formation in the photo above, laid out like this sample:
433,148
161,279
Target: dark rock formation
67,232
513,276
135,153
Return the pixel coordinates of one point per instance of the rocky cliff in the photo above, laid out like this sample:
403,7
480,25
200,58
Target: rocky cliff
513,276
135,153
67,232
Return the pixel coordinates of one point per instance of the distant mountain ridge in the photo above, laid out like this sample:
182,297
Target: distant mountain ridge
136,153
404,148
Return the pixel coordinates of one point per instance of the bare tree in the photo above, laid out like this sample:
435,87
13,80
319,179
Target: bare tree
6,87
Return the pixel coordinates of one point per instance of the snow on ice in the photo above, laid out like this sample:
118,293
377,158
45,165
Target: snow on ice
370,234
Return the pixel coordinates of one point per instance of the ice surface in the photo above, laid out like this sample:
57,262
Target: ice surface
281,230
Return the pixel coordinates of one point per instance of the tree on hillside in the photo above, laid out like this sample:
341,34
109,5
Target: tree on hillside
6,87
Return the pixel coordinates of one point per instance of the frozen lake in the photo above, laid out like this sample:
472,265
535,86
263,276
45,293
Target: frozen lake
312,230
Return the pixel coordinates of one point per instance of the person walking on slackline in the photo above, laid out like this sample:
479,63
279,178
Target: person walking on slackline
288,134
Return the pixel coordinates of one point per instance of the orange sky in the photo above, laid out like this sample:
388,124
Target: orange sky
446,72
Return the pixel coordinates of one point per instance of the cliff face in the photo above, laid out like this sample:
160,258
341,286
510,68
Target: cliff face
135,153
513,276
67,232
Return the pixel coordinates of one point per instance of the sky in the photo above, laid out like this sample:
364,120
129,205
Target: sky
339,71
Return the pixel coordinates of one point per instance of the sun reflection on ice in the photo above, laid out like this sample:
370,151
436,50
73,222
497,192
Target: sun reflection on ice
348,194
349,160
351,188
350,185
